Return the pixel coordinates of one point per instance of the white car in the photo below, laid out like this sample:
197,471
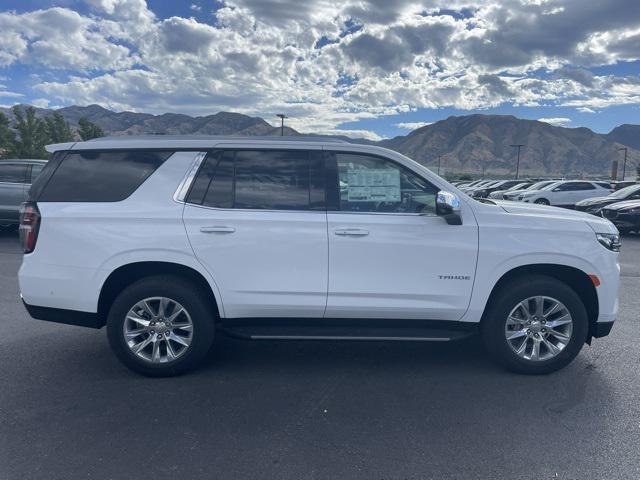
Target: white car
170,240
566,193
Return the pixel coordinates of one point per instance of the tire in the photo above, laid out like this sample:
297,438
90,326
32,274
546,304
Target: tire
542,201
173,357
494,326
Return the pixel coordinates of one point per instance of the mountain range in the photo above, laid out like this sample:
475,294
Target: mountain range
465,144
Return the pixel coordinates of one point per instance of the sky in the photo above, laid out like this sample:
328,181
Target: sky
364,68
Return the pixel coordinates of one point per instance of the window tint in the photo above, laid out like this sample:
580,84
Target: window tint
36,168
583,186
261,179
372,184
13,173
100,176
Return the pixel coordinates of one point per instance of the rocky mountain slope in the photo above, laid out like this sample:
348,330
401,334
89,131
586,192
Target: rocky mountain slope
469,144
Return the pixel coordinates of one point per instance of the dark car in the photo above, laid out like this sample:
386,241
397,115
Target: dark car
15,180
624,215
595,204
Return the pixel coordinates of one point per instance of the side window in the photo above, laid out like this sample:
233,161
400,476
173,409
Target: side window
373,184
36,168
13,173
583,186
100,176
261,180
564,187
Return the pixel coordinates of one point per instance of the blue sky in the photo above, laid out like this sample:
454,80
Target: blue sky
368,68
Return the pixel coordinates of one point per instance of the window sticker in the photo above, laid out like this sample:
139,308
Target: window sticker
374,185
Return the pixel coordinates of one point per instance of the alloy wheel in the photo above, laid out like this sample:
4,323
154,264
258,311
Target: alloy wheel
538,328
158,330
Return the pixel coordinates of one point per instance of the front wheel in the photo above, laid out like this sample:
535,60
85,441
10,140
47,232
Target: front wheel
542,201
161,326
537,325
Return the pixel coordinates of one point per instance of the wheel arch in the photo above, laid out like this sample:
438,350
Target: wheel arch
575,278
127,274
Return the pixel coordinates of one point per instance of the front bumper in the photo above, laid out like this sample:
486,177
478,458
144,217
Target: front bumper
602,329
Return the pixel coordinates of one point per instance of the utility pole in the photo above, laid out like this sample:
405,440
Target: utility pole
439,160
518,146
624,164
282,117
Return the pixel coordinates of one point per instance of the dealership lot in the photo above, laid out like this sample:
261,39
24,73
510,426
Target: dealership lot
68,409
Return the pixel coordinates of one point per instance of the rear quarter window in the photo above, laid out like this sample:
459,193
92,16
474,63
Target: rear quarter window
87,176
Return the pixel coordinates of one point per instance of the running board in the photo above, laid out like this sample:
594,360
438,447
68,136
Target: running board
385,334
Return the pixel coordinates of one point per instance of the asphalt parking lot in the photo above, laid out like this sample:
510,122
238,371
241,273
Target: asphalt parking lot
68,409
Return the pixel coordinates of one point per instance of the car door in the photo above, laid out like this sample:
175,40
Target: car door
13,177
256,220
390,255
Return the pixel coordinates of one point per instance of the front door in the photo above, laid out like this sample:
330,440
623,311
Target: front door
256,220
390,255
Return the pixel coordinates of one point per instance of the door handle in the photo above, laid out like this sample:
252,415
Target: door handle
217,229
351,232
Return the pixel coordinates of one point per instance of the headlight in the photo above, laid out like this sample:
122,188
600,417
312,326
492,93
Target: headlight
634,211
611,241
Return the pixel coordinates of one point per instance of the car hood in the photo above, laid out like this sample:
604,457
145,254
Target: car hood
596,201
599,225
624,205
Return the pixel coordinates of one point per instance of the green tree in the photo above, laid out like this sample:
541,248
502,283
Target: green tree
58,129
89,130
7,137
32,134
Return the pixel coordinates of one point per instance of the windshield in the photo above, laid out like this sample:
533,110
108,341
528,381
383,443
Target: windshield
518,186
625,192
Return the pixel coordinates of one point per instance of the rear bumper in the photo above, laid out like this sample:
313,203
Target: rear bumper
69,317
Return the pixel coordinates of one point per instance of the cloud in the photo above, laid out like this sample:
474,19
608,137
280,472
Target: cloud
195,8
377,57
585,110
556,121
412,125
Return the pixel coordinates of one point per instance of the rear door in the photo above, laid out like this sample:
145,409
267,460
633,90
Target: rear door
13,177
256,220
584,190
390,256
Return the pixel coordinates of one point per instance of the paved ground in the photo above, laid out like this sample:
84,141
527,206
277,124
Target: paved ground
314,410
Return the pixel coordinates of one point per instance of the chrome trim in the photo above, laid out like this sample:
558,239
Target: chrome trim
308,211
181,192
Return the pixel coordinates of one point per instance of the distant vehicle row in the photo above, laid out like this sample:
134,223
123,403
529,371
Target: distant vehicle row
616,201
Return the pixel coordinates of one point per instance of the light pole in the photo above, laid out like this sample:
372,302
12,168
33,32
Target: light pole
518,146
624,164
439,161
282,117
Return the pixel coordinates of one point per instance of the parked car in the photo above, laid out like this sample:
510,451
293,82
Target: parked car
595,204
624,215
15,180
501,184
514,194
170,240
498,194
565,193
620,184
475,184
480,186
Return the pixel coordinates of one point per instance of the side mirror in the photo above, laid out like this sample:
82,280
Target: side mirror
448,207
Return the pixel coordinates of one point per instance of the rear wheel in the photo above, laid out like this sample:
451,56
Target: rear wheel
542,201
536,325
161,326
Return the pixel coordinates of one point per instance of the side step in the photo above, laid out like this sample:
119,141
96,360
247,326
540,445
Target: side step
346,333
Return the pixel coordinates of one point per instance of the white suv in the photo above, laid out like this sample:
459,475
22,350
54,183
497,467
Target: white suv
566,193
168,240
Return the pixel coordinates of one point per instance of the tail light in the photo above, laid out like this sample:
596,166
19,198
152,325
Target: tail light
29,226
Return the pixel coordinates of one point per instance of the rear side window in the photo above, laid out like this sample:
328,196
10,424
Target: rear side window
261,180
36,168
13,173
100,176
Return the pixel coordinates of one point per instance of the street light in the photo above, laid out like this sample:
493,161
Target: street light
439,161
624,164
518,146
282,116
